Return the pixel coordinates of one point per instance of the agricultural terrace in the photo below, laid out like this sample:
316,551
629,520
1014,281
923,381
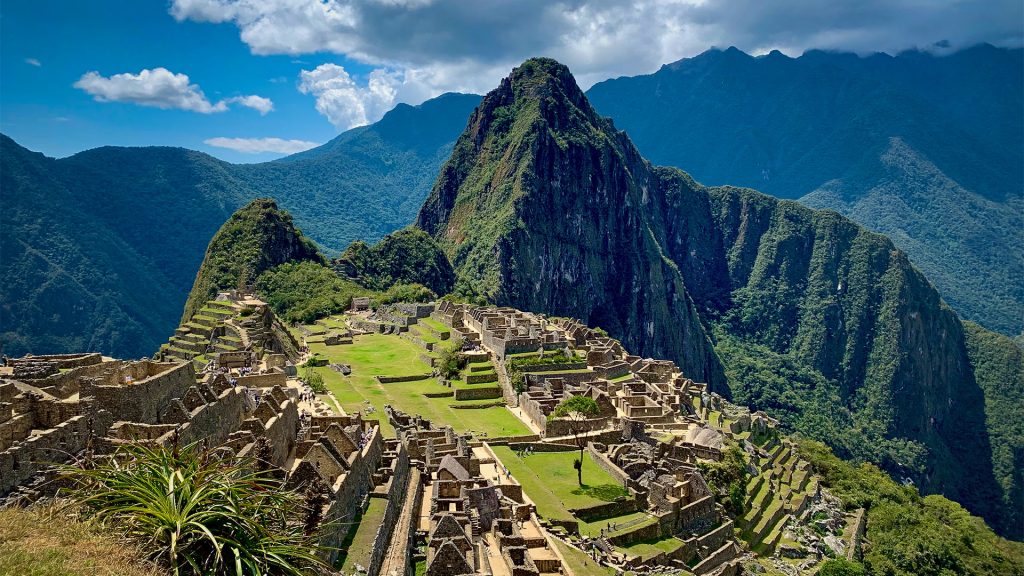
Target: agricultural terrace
391,355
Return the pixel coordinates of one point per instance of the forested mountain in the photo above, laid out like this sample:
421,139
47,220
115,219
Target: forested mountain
545,206
98,251
926,149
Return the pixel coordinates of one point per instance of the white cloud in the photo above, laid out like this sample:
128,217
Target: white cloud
425,47
161,88
345,103
33,62
258,103
259,145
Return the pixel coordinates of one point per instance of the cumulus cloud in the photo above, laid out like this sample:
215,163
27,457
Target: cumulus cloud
161,88
432,46
345,103
33,62
260,145
258,103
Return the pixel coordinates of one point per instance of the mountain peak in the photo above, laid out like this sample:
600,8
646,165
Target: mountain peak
257,237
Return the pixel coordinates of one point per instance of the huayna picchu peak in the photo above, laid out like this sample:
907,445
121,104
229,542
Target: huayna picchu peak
544,206
730,318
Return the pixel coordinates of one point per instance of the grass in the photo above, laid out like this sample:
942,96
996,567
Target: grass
431,323
579,563
549,479
48,541
360,540
648,548
382,354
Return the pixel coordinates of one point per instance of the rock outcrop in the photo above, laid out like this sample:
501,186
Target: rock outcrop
545,206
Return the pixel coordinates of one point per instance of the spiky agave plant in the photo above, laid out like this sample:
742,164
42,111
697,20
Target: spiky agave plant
197,513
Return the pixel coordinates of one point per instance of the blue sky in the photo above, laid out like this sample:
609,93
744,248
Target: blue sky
224,76
40,108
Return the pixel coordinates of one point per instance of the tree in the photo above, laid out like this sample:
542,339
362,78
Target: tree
451,361
577,410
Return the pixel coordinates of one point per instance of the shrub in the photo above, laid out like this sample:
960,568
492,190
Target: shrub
314,380
199,514
450,362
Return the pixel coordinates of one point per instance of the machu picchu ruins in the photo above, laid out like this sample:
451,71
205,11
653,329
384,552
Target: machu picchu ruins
443,474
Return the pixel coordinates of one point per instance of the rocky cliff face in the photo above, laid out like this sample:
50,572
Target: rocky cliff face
257,237
545,206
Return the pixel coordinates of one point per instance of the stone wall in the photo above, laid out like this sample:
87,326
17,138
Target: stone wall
393,379
724,554
20,463
142,401
395,496
217,420
481,377
607,510
262,380
348,497
478,393
607,465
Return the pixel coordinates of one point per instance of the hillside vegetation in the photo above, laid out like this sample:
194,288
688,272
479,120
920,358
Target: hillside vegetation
927,149
99,250
545,206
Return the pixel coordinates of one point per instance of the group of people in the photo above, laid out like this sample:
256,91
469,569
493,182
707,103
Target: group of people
524,452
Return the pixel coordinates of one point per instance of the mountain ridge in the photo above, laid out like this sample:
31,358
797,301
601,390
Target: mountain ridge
544,197
156,209
794,127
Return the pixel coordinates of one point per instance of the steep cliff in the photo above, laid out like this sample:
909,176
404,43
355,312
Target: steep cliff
256,238
544,205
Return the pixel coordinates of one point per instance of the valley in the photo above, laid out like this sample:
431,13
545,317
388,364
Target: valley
572,362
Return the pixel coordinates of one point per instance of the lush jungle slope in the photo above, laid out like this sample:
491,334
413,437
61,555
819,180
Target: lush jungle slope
544,205
99,250
928,149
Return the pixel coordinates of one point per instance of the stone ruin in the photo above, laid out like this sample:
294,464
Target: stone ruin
90,407
473,520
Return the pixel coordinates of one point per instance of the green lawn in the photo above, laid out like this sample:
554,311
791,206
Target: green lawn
549,479
580,563
648,548
380,354
431,323
360,542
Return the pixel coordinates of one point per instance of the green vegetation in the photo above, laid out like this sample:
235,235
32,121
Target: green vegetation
200,515
389,355
100,249
53,540
305,291
408,256
728,478
359,541
807,402
911,535
314,380
879,361
999,369
840,567
895,163
576,410
256,238
580,563
450,360
548,481
406,293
